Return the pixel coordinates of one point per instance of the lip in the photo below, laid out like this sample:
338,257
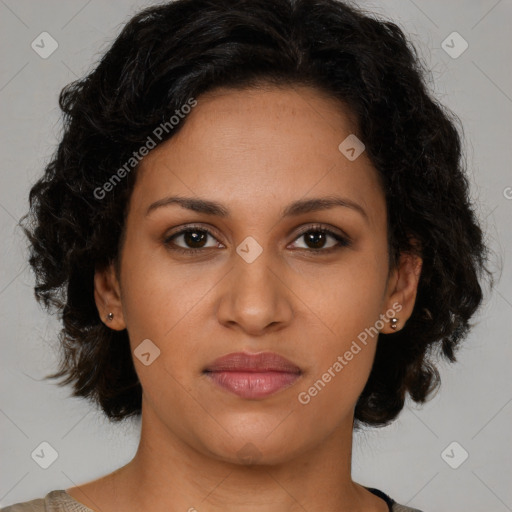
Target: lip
246,362
253,376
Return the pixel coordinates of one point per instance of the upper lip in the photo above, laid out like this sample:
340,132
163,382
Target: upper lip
246,362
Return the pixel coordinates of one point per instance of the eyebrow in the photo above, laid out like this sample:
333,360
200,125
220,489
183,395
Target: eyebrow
296,208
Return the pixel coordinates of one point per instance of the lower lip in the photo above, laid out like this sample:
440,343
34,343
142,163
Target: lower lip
251,384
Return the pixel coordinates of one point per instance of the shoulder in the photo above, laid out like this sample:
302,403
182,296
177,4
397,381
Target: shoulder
396,507
392,504
54,501
37,505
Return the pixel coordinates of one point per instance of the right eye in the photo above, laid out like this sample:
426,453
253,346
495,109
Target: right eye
194,236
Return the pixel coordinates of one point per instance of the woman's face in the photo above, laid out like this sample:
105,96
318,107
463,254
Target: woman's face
264,279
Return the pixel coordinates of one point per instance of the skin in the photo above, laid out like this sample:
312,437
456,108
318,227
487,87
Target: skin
255,151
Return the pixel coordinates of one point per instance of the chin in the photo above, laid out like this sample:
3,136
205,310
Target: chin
256,450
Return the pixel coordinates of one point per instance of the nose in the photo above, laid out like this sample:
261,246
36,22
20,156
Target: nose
255,297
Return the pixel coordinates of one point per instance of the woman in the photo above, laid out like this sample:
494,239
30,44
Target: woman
263,227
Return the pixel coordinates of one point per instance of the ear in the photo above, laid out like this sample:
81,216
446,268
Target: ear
107,295
401,291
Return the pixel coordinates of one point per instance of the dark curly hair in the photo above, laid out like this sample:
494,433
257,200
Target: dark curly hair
167,54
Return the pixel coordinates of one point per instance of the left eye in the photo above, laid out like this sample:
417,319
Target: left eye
318,236
197,237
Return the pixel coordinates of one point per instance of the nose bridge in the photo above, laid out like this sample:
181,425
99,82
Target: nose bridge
253,280
255,296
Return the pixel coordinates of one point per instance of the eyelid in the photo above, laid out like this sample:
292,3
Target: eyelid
323,227
168,239
191,227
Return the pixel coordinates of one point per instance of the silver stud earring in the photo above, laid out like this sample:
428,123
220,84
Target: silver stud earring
394,322
110,316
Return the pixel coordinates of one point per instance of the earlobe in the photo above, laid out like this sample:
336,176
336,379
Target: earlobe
107,295
402,295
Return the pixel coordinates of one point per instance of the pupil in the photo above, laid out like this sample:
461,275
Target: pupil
192,237
317,238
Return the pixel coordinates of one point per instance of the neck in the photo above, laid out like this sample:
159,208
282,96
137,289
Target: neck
167,474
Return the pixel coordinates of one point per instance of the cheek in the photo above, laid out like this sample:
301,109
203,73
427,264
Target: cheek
162,303
344,299
159,298
345,328
343,358
331,396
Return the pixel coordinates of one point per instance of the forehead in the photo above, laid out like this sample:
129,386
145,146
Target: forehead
260,147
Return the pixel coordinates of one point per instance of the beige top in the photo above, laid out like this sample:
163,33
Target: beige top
54,501
61,501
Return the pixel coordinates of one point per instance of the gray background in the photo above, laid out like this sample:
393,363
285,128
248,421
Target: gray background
473,407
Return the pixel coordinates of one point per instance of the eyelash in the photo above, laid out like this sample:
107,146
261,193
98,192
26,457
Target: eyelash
342,240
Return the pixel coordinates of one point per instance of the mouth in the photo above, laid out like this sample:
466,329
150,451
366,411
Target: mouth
253,376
